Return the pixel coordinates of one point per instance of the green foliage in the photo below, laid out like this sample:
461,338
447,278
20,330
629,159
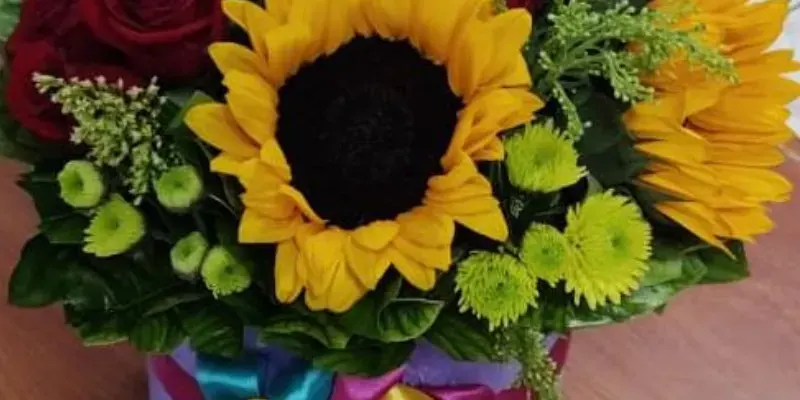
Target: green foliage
120,127
37,280
524,342
297,321
462,337
587,40
160,333
9,16
385,316
213,329
68,229
367,359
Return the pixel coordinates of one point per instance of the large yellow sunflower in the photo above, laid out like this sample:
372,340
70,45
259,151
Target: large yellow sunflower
713,143
354,125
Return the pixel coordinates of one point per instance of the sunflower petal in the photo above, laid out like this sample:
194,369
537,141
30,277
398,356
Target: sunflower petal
491,224
367,265
235,57
415,273
376,235
214,123
695,217
253,103
432,257
301,203
257,228
427,227
324,253
251,18
288,284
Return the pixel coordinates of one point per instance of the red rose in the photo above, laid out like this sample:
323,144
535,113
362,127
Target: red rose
51,39
164,38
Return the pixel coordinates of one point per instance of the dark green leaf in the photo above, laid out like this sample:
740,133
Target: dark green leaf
606,128
407,319
39,278
157,334
317,326
68,229
9,16
43,188
213,330
722,268
170,301
369,360
103,332
462,337
249,305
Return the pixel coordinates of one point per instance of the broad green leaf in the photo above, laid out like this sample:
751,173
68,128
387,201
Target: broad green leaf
462,337
213,329
39,277
104,332
369,360
662,271
9,17
322,329
68,229
383,316
170,301
43,188
722,268
157,334
407,319
603,114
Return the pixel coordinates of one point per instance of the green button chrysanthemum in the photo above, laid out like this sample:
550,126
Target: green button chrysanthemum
546,252
187,255
223,274
179,188
81,184
611,241
115,229
541,159
496,287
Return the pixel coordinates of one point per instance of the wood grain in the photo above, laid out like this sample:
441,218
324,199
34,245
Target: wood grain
736,342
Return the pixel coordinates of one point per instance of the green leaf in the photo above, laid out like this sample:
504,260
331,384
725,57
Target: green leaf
9,17
462,337
722,268
157,334
369,360
68,229
43,188
170,301
249,305
104,332
383,316
213,330
606,128
314,325
39,277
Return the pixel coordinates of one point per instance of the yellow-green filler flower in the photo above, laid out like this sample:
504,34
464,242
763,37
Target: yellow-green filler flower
611,241
179,188
223,274
81,184
546,252
541,159
115,229
187,255
496,287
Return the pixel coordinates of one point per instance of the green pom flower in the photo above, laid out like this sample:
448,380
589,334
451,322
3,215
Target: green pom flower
541,159
223,274
546,252
115,229
495,287
179,188
187,255
611,241
81,184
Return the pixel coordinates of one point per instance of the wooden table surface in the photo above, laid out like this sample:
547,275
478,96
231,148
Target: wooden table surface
735,342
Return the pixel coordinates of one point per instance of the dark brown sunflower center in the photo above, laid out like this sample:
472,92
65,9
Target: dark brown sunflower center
364,128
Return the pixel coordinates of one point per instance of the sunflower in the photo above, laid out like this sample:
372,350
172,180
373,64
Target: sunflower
354,127
713,142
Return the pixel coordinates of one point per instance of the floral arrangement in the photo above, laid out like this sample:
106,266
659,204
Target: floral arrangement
354,180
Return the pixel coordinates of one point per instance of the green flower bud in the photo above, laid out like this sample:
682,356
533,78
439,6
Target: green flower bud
115,229
187,255
81,184
179,188
541,159
223,274
495,287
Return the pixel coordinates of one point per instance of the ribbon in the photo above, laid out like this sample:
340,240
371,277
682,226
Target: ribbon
389,387
259,375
